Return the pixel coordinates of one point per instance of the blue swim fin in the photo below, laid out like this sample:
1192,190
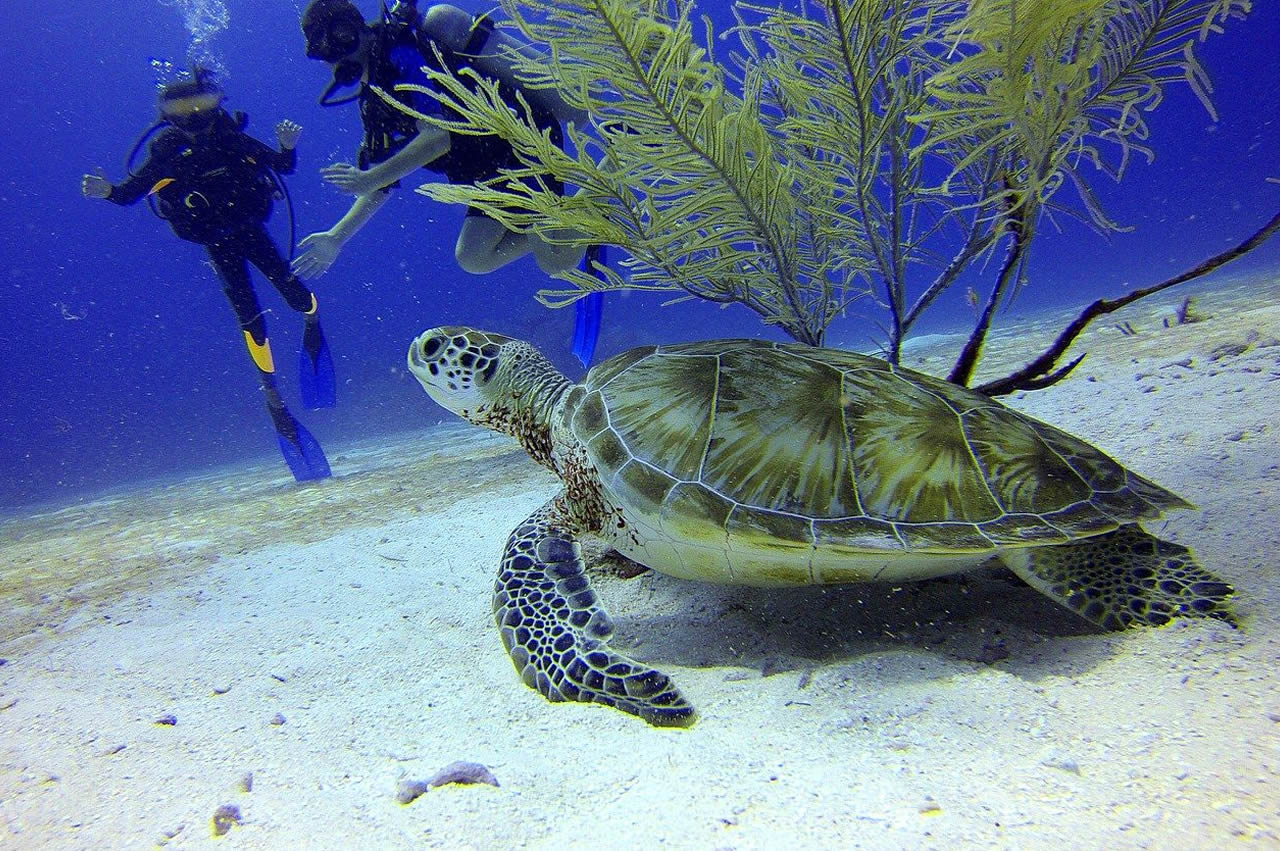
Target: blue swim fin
316,378
303,454
588,310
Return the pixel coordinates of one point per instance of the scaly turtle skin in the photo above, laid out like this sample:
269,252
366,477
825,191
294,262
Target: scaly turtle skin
757,463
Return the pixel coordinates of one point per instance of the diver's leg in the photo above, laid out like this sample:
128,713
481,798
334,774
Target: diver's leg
261,251
316,376
233,269
558,256
485,245
301,451
562,248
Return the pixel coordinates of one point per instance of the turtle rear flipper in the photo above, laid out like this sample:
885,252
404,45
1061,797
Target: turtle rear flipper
557,633
1124,578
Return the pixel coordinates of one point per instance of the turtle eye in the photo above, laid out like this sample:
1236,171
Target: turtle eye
431,347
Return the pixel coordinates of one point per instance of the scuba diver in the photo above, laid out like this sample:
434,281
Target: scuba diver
216,185
395,145
393,51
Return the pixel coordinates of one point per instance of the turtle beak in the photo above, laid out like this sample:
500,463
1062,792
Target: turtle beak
427,358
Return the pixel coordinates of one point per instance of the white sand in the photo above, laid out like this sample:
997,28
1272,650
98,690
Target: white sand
334,639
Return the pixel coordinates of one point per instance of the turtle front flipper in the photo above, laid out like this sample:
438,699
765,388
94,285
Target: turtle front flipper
557,633
1124,578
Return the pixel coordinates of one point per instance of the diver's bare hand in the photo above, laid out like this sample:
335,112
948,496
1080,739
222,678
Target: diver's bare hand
318,251
287,133
348,178
95,185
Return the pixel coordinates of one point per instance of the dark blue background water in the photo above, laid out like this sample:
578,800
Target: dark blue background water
120,359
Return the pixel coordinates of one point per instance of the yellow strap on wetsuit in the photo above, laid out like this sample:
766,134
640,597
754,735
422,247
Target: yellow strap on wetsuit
261,354
315,305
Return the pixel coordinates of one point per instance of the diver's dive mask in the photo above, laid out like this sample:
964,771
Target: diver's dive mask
332,29
194,113
334,42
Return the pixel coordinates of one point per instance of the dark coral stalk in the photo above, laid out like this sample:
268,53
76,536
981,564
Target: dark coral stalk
1040,372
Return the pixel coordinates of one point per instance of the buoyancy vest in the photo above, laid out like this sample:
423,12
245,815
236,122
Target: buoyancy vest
212,184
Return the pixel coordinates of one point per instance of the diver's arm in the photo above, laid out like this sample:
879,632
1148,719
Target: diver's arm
132,188
135,185
283,161
359,214
320,249
287,133
144,180
430,144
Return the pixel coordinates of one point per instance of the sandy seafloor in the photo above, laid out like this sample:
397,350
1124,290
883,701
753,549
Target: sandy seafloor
332,640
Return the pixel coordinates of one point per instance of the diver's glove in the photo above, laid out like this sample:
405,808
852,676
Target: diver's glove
318,251
287,133
96,185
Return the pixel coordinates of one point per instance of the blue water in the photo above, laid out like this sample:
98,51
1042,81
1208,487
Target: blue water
120,359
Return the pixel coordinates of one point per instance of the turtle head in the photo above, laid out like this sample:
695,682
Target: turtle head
485,378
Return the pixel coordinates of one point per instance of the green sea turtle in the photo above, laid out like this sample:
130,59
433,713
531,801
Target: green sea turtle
759,463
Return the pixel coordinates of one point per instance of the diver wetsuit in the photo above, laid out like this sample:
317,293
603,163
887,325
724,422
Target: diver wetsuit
215,189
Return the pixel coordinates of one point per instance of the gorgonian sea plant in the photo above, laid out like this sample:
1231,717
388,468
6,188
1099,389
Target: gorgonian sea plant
846,150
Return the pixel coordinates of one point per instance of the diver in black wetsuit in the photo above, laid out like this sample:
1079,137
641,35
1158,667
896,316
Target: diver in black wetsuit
216,185
393,51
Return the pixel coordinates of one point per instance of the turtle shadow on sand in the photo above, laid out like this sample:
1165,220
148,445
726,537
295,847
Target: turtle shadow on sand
985,617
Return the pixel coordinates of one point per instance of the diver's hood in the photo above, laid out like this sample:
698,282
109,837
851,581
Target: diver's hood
199,83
